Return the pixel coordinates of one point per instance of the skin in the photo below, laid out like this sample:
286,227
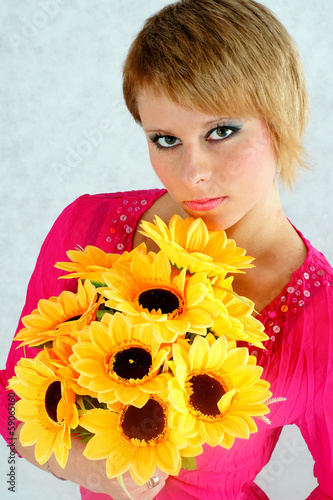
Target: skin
196,155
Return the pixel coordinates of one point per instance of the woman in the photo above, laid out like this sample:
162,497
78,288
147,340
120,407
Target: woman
219,91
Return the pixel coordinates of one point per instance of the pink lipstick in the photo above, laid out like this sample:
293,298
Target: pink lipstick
204,204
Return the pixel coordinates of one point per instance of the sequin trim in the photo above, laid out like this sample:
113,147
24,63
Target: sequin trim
296,295
127,214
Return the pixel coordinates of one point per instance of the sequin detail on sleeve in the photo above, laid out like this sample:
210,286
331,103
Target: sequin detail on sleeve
123,224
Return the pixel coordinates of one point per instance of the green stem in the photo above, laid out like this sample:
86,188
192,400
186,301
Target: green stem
122,484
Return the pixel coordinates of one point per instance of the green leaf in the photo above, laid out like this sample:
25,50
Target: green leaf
83,434
189,463
89,403
98,284
100,313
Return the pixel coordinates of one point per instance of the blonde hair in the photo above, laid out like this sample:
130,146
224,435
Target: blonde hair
224,56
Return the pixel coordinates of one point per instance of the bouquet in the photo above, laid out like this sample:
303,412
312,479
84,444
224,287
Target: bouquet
142,362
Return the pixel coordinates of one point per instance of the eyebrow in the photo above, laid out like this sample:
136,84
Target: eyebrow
204,125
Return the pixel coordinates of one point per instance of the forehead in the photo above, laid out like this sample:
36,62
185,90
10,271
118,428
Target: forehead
155,108
159,112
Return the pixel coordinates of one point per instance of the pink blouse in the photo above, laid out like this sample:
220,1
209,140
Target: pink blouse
297,361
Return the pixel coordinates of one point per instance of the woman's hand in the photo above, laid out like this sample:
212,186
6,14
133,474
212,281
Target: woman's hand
91,474
116,492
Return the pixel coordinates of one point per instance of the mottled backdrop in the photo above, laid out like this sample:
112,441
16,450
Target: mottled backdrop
65,131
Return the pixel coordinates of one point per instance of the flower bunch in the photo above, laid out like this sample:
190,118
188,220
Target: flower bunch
142,362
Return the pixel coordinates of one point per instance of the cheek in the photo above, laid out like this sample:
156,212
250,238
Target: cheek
160,168
254,160
157,166
154,161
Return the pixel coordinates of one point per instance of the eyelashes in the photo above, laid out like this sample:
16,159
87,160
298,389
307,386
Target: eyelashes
222,132
218,133
169,141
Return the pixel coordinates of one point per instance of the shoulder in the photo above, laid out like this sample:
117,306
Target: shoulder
317,274
89,213
111,200
106,220
300,318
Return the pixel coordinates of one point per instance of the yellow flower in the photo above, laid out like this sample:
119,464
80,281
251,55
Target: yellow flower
47,407
59,356
136,439
119,362
188,243
92,262
60,316
238,322
148,294
216,391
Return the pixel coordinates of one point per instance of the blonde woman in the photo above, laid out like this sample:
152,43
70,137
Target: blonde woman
219,90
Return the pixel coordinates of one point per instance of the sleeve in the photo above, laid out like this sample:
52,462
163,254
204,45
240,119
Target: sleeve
65,234
316,426
316,422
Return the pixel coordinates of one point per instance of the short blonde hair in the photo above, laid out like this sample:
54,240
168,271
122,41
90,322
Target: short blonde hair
224,56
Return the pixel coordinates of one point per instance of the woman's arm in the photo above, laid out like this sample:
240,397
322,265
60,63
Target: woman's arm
91,473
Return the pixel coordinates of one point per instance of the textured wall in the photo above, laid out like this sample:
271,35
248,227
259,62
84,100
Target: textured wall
65,132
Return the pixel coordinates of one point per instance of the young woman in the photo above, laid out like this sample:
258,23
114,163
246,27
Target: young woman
218,87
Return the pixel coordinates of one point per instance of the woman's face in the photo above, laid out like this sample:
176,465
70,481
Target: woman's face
219,168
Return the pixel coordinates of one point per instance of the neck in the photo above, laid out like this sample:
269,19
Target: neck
267,235
263,227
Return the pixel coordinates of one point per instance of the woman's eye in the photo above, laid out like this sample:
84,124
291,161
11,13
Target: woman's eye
220,133
167,141
164,141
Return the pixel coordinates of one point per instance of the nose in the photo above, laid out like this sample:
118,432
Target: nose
195,166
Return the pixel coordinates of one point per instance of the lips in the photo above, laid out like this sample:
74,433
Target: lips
204,204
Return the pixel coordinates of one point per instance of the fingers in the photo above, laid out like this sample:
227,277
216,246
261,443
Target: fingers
137,492
154,485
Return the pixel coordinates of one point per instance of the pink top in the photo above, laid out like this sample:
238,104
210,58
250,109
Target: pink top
297,362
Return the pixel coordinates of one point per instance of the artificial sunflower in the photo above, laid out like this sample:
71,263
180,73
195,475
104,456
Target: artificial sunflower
91,262
216,391
47,408
65,315
148,294
188,243
237,321
136,439
120,362
59,356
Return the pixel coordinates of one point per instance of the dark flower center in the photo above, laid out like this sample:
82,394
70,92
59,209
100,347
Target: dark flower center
133,362
207,392
52,398
159,298
146,423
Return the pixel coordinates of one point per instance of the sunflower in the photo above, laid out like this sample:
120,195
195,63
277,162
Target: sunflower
120,362
60,316
188,243
136,439
47,407
91,262
148,294
216,391
237,321
59,356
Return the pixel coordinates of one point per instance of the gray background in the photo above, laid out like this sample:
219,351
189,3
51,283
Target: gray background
65,132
